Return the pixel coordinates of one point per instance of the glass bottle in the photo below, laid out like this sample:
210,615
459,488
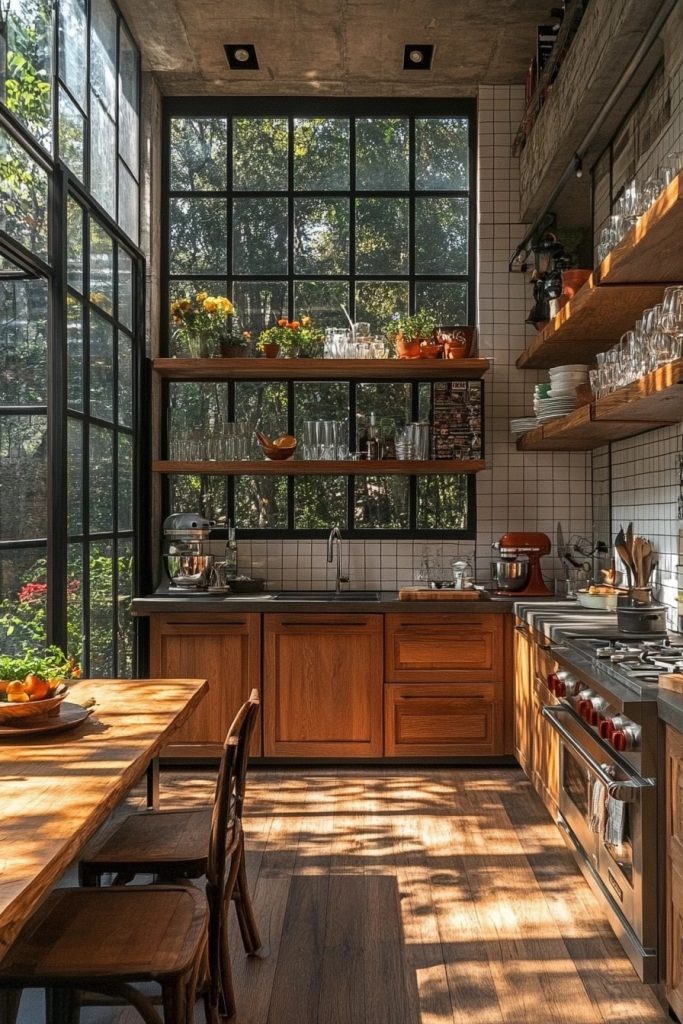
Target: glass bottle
231,553
369,442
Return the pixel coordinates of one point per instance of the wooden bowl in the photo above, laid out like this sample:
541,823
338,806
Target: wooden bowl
10,712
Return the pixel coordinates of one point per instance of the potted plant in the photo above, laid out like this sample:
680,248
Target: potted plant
294,338
409,332
206,325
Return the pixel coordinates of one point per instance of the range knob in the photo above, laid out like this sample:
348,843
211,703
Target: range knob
596,711
608,722
627,737
584,706
553,681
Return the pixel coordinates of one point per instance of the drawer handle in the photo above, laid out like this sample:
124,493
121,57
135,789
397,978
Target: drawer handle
347,625
207,622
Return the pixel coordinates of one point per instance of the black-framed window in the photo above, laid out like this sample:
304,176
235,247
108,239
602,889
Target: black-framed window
71,334
293,207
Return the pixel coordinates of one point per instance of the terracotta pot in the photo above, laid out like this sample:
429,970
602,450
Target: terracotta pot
457,340
271,351
431,350
572,280
232,351
407,349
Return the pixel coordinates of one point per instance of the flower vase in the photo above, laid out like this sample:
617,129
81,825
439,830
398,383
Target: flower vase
230,350
271,351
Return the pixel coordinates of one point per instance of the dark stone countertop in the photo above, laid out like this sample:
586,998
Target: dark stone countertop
670,708
388,602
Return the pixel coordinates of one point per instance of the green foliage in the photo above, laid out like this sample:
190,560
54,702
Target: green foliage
48,663
203,322
419,325
295,337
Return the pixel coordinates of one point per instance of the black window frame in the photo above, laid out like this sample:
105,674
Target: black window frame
292,108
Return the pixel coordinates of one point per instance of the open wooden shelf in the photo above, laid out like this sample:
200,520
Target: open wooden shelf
655,400
320,369
301,467
652,250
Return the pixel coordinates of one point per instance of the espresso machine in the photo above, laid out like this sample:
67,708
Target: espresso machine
186,563
518,569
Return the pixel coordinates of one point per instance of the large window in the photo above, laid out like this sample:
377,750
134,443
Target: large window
70,330
310,208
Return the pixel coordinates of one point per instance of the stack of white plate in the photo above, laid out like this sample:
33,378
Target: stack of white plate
561,398
521,425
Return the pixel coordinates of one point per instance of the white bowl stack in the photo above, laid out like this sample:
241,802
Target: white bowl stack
561,398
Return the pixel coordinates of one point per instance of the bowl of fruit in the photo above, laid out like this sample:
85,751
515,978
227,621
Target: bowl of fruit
34,686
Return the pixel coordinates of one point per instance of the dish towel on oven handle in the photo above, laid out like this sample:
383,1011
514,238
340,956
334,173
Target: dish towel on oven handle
598,818
615,823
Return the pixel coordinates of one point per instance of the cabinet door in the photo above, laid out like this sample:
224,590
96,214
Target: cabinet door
523,709
674,870
225,649
444,648
442,720
323,685
545,749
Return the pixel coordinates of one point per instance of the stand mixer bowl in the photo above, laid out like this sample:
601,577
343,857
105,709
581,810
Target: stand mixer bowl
510,573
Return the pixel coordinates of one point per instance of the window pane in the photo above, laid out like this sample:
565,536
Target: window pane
199,147
101,367
129,193
125,482
446,299
382,153
181,342
259,236
319,502
23,599
321,300
28,82
125,282
207,495
100,489
73,50
103,55
261,503
441,153
441,227
129,101
442,502
23,342
23,477
259,303
101,268
74,245
23,197
259,153
262,407
381,503
321,236
71,135
125,382
391,404
74,353
198,236
74,476
382,236
101,611
376,301
321,153
125,630
102,147
75,625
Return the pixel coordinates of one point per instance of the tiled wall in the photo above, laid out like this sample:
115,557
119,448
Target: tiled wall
516,492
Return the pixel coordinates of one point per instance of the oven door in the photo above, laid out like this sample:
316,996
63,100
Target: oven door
604,804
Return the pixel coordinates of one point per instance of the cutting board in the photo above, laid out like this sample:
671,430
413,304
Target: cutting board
672,681
425,594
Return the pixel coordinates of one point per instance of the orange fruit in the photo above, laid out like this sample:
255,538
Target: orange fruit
36,687
17,697
16,686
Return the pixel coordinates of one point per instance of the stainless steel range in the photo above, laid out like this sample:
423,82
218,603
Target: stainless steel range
605,714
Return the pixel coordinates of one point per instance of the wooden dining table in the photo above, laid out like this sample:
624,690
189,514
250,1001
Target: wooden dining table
56,790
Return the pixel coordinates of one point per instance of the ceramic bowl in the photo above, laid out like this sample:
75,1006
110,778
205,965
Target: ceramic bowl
10,712
598,602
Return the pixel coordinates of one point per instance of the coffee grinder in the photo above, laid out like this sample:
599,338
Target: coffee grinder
518,569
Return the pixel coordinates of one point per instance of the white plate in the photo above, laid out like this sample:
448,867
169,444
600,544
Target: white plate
569,368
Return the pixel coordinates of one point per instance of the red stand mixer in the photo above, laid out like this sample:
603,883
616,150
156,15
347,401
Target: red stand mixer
518,570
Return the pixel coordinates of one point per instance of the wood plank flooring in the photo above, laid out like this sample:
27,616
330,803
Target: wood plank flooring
416,897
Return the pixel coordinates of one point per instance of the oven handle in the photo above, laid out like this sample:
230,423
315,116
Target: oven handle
624,790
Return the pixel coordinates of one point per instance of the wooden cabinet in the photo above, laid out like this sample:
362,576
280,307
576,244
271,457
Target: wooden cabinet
445,685
674,869
537,745
522,703
224,648
322,686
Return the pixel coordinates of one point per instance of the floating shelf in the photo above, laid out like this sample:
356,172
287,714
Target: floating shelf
655,400
320,369
293,467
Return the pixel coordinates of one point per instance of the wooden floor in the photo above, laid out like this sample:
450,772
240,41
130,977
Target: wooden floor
417,897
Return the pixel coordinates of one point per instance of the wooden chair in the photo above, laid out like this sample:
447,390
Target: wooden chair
181,844
104,940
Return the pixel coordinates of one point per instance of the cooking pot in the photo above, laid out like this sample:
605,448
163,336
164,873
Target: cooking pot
510,573
635,617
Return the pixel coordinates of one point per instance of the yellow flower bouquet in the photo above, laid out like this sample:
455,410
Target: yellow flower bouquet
206,325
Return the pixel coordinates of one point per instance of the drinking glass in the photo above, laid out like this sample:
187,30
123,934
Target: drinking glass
361,331
330,439
379,347
672,310
343,440
312,439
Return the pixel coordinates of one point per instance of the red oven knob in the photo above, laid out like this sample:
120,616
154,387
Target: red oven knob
552,680
627,737
606,728
585,709
619,739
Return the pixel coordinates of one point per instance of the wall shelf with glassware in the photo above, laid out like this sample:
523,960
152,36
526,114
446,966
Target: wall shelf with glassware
314,467
320,369
653,401
631,278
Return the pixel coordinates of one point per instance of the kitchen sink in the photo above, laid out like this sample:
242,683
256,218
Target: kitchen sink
326,595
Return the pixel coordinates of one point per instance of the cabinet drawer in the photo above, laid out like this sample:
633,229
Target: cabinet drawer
444,648
423,719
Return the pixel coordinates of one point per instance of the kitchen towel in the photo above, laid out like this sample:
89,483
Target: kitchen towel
615,824
598,816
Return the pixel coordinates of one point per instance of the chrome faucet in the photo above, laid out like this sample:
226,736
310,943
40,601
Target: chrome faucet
335,536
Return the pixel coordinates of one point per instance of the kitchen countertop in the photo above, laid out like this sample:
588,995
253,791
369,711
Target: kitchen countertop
388,601
670,708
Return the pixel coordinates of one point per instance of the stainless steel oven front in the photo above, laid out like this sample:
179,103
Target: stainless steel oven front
609,813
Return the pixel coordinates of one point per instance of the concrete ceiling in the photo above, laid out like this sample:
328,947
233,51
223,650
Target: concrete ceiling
335,47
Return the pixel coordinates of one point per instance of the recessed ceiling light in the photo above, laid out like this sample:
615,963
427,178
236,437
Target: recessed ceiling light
418,56
241,56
